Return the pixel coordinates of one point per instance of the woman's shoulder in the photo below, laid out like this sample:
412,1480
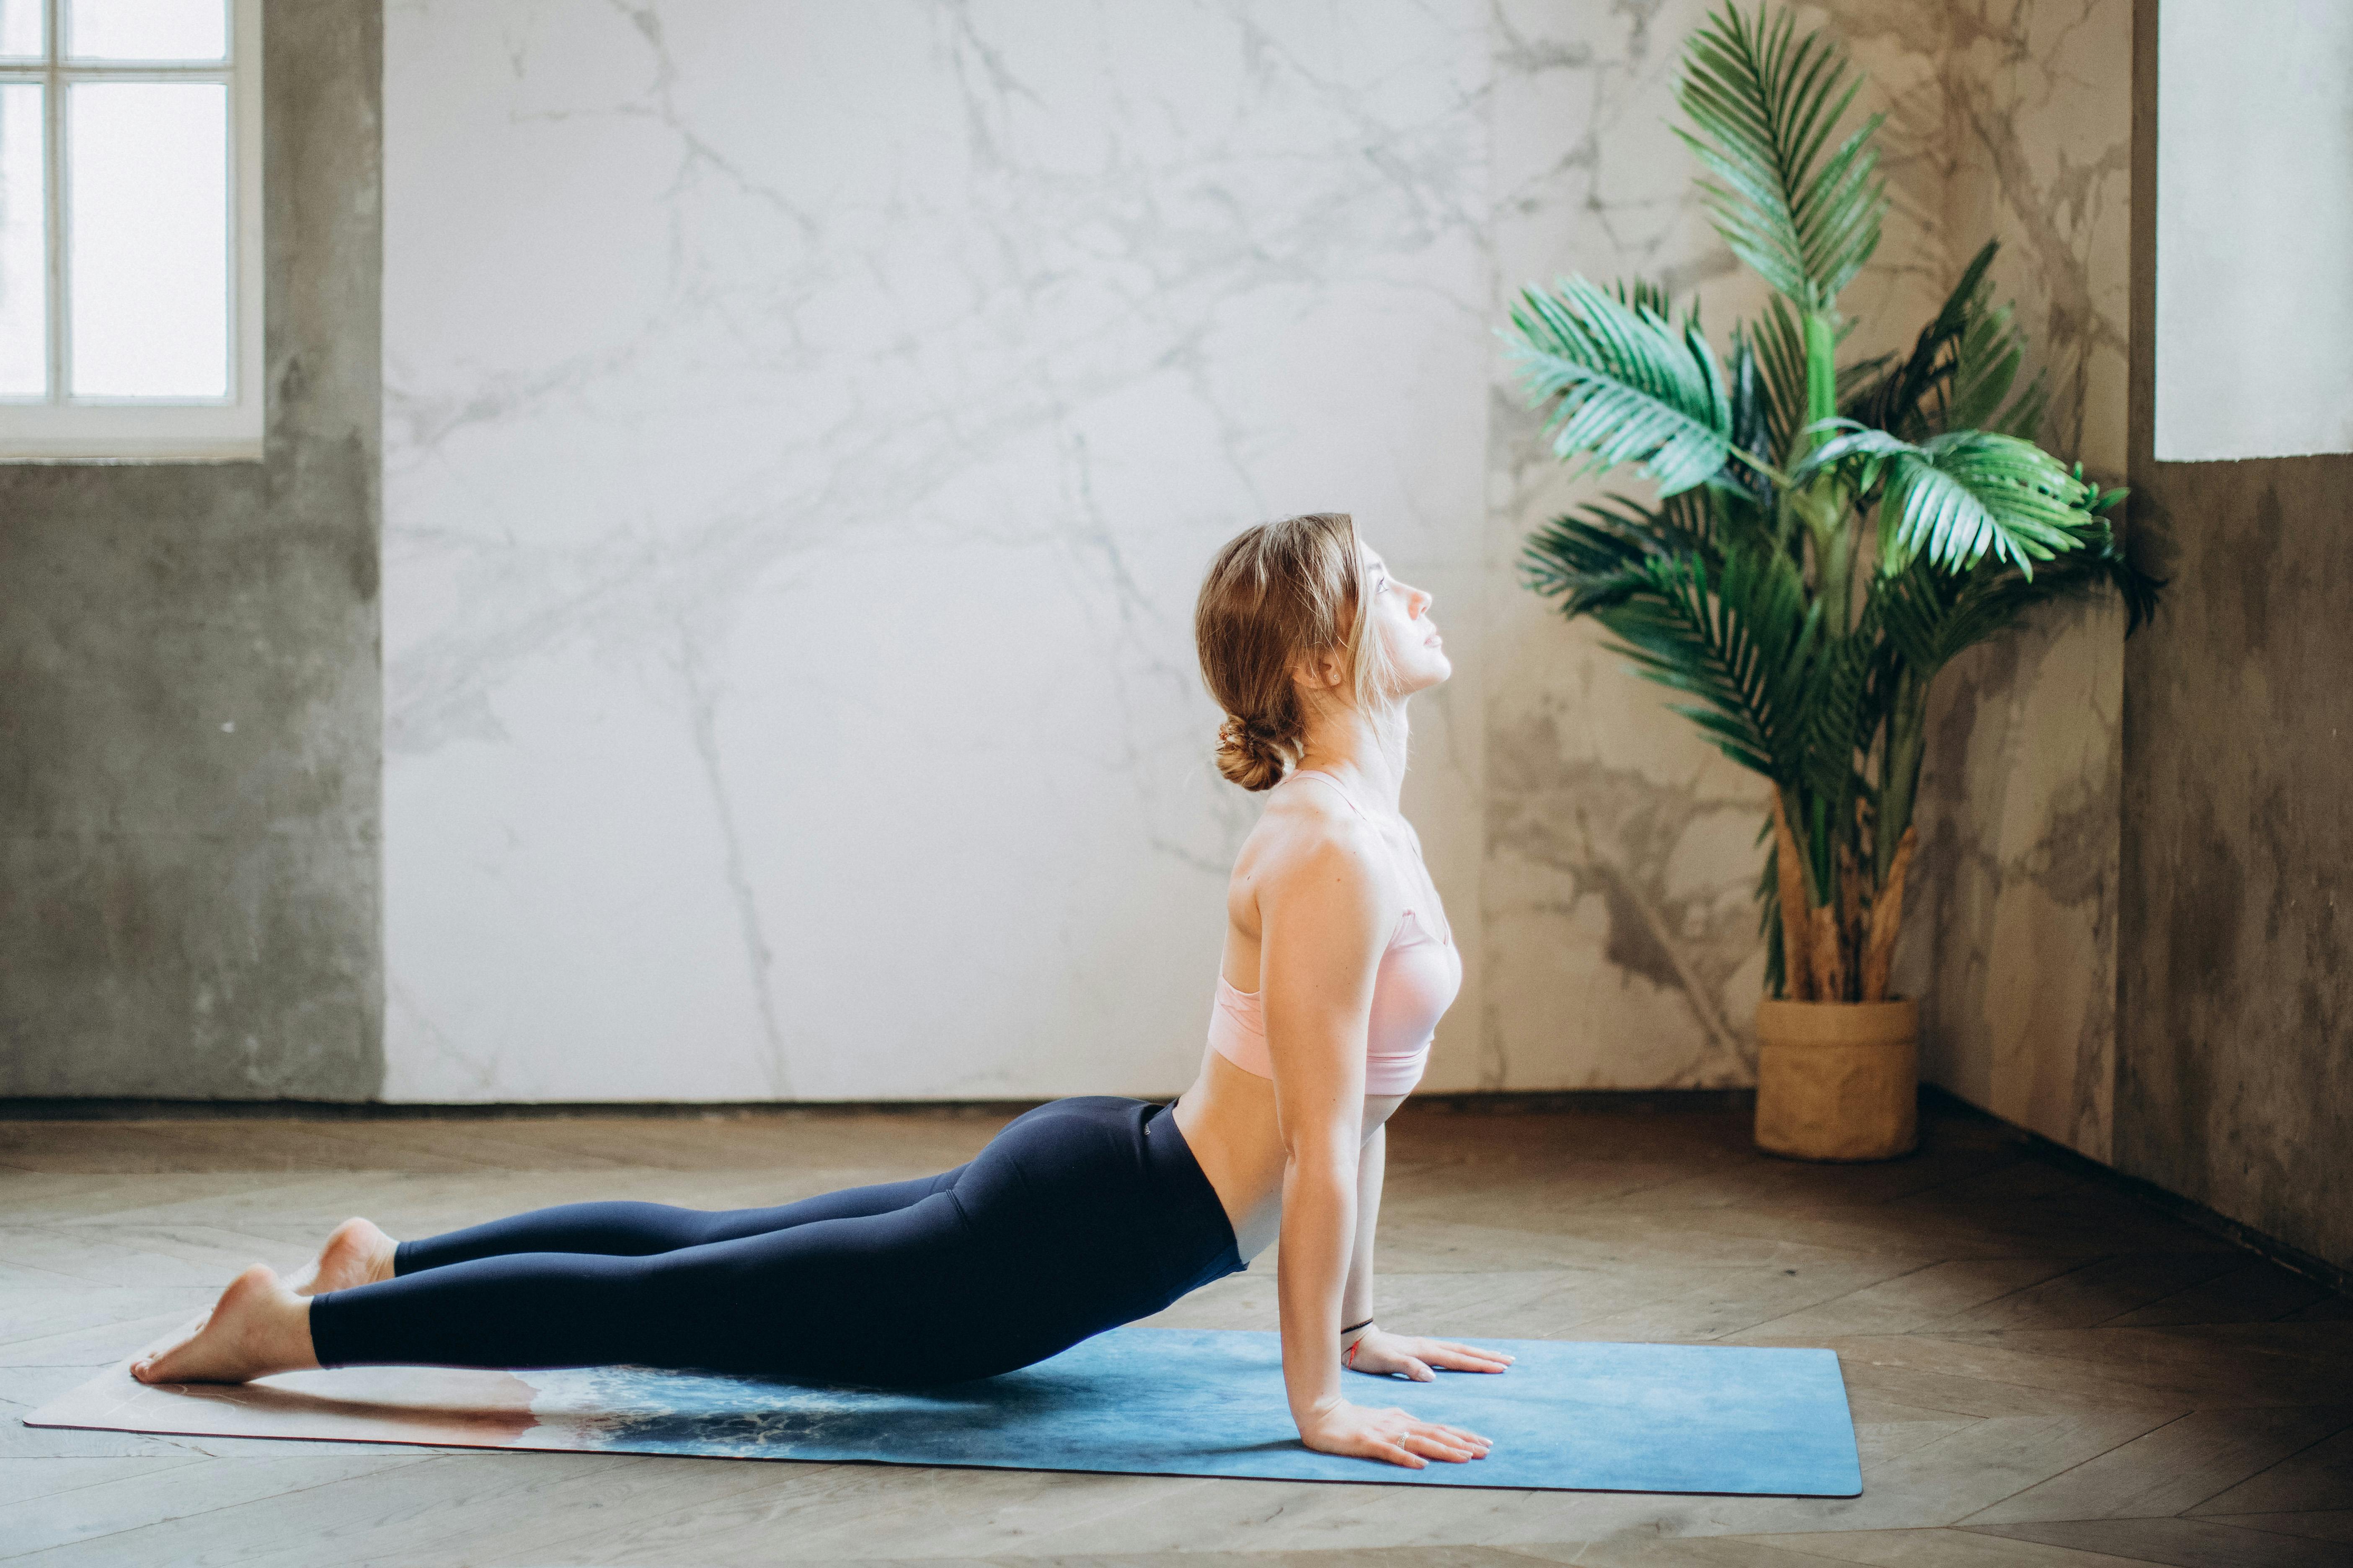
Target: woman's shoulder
1311,835
1310,805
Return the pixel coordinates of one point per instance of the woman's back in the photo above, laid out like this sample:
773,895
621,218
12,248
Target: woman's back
1230,1115
1419,974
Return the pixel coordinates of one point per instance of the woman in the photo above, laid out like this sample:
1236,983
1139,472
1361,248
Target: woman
1082,1214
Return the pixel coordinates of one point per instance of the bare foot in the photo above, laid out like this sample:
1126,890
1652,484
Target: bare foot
356,1254
258,1327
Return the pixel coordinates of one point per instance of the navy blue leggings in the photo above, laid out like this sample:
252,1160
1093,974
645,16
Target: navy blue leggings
1079,1215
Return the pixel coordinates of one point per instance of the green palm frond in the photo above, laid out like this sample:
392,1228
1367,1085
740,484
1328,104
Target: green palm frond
1969,493
1903,399
2085,573
1985,363
1598,556
1959,497
2112,563
1754,410
1961,368
1763,103
1632,386
1642,294
1741,639
2100,561
1781,355
1934,616
1931,616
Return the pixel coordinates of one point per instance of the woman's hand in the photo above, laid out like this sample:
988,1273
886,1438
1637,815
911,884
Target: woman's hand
1380,1353
1391,1434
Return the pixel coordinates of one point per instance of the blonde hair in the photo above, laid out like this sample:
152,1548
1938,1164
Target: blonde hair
1275,593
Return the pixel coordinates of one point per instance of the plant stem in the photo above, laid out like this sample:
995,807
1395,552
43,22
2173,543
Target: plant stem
1788,865
1834,561
1821,367
1823,503
1779,480
1822,875
1887,922
1899,782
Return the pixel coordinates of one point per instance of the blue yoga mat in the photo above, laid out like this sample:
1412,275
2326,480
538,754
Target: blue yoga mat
1181,1402
1608,1418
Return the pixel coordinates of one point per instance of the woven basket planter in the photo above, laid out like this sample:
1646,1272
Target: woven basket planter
1838,1080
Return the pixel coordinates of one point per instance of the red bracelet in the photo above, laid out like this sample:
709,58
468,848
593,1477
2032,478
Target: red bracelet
1348,1356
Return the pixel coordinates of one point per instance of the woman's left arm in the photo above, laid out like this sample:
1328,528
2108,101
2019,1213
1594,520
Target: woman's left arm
1357,1297
1371,1349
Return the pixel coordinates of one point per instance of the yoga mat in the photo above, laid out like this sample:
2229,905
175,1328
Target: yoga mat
1176,1402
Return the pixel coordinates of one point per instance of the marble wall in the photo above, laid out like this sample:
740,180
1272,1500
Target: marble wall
2021,793
804,435
806,427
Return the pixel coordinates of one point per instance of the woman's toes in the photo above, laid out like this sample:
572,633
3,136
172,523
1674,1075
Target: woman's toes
156,1368
252,1332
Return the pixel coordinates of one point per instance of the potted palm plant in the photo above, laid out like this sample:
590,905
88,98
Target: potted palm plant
1825,538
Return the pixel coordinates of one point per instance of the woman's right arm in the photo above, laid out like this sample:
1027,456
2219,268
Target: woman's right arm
1322,923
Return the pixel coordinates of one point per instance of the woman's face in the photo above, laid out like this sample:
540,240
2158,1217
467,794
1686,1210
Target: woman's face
1417,653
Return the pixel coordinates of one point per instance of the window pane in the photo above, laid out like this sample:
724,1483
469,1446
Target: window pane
147,29
20,27
147,230
24,253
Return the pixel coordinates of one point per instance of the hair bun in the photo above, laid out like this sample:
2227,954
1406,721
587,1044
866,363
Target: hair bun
1250,753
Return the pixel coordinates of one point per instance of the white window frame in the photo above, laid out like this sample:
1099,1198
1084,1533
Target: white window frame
65,429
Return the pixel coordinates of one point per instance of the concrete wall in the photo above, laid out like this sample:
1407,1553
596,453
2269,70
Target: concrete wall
189,753
2234,1081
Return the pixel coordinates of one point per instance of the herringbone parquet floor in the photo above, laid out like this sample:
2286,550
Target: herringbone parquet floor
2044,1373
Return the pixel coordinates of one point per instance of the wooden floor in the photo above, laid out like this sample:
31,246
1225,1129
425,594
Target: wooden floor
2043,1371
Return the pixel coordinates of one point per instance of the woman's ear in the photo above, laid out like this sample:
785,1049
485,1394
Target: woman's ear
1316,671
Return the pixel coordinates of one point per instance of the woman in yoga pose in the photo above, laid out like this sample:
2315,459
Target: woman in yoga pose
1082,1214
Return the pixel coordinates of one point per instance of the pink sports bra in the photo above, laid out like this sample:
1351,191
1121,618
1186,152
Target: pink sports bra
1419,973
